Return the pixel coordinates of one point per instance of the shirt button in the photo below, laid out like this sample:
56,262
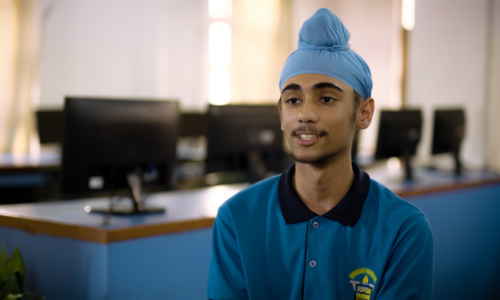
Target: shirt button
315,224
312,263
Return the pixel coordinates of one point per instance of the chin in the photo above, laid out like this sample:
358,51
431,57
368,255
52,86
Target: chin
319,158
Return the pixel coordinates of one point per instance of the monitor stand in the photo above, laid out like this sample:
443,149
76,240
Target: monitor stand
138,208
256,166
408,167
458,164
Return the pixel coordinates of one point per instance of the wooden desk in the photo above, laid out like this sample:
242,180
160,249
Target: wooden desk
70,255
186,210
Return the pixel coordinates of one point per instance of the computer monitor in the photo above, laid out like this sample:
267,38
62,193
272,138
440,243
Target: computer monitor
193,124
448,133
245,138
114,144
398,136
50,125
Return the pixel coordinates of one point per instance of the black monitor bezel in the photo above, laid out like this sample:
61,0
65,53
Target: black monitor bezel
82,158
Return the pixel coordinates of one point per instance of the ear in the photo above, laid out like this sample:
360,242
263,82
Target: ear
366,111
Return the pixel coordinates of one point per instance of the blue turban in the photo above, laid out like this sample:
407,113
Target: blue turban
323,49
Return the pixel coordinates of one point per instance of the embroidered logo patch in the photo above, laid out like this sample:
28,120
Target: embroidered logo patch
363,281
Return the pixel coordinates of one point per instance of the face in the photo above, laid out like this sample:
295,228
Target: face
318,117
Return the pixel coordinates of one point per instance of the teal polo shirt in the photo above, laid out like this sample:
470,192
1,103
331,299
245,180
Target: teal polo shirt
267,244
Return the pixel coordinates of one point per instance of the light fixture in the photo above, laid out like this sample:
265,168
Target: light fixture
219,52
220,9
219,86
219,45
408,14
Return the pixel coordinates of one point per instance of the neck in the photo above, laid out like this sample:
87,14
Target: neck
321,187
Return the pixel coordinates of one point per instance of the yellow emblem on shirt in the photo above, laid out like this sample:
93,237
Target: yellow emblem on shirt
363,285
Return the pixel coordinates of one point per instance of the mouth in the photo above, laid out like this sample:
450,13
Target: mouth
308,138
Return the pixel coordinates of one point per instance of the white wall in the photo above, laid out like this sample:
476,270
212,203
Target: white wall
493,99
260,47
8,42
447,68
182,65
126,48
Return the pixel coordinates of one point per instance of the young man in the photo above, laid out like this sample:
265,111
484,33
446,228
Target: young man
323,229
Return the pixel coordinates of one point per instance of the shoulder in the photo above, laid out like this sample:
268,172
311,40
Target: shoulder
392,203
395,211
252,199
399,224
405,234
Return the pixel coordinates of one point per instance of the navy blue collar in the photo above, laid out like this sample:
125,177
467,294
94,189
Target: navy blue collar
347,211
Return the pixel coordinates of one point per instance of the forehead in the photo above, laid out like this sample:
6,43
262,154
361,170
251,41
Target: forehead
308,80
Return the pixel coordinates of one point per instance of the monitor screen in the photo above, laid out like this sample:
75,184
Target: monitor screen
448,130
398,135
50,124
243,136
448,133
105,140
193,124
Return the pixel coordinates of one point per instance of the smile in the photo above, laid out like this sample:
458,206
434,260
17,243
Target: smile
308,136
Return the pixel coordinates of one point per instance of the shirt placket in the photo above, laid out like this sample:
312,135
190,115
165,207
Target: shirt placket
313,263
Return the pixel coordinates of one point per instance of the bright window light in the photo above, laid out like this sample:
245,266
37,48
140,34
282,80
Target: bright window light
408,14
219,86
219,45
219,9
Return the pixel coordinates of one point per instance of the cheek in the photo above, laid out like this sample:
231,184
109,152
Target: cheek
287,121
340,123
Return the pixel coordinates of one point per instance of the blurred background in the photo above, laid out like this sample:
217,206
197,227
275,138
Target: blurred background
161,49
204,74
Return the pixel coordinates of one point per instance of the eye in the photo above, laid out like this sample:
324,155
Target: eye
328,99
292,101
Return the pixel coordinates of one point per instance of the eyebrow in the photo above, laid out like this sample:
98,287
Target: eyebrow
317,86
326,85
293,87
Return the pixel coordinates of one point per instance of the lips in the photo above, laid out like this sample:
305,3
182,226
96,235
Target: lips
308,138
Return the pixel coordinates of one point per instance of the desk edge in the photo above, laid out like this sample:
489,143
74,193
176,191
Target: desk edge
104,236
34,226
446,188
100,235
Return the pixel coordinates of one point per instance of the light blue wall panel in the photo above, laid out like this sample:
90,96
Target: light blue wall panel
172,266
466,226
60,268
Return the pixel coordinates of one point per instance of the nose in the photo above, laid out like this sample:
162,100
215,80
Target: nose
308,112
